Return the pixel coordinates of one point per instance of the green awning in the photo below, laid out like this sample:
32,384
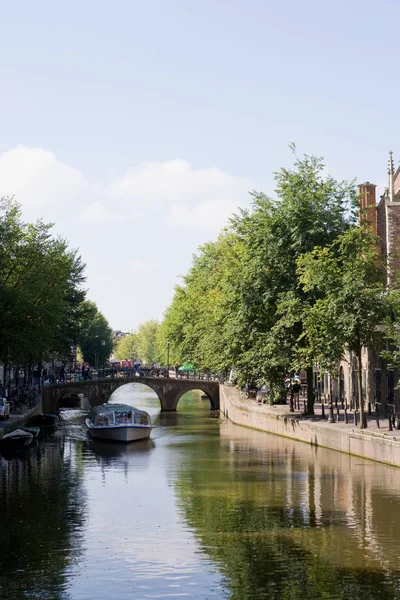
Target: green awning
187,367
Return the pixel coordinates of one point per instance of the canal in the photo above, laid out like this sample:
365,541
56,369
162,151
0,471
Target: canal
204,509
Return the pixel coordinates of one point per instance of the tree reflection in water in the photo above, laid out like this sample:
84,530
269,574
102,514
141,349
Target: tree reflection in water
42,506
287,521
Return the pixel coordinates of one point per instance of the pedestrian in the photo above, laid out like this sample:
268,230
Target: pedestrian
62,372
85,369
136,365
296,387
41,374
177,365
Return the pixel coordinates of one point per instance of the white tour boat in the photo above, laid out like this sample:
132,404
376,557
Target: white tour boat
119,422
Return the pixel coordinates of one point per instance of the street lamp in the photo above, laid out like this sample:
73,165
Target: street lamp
168,345
103,343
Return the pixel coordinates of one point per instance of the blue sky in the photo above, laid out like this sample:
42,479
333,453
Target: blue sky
138,127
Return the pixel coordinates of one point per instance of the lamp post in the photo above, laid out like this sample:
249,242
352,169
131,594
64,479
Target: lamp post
168,345
103,343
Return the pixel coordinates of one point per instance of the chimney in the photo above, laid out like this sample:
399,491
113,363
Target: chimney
367,214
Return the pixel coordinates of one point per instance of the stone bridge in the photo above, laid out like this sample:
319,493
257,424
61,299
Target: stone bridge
98,391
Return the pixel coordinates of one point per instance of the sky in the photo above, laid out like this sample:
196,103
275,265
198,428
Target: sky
139,127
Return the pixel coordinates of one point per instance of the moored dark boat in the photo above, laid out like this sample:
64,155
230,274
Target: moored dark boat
16,439
43,420
33,430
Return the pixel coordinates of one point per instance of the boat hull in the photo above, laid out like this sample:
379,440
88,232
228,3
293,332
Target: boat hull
119,433
16,439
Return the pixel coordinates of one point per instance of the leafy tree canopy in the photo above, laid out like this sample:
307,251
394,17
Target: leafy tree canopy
126,347
96,338
40,289
352,300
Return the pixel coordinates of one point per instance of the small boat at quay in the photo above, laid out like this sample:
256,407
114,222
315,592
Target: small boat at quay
16,439
119,423
33,430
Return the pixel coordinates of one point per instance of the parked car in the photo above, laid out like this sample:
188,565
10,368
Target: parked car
4,409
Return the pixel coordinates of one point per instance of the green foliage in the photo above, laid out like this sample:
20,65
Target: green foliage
241,304
127,347
352,302
95,338
201,321
146,343
40,290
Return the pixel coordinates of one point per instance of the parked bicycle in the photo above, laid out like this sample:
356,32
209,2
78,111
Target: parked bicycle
160,372
23,398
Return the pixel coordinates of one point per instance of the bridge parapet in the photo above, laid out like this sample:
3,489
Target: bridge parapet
98,391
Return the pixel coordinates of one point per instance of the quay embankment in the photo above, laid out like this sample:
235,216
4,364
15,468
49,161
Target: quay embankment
378,444
16,421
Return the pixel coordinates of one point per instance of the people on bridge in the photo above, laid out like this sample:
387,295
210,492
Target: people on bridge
177,365
85,371
136,366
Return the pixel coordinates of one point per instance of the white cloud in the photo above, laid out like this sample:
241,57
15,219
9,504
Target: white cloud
210,215
38,180
175,192
141,265
97,213
158,210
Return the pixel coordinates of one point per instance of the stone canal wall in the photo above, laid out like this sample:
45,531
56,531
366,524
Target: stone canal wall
344,438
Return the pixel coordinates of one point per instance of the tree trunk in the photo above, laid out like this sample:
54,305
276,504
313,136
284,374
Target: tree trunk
9,381
310,391
17,380
291,397
363,421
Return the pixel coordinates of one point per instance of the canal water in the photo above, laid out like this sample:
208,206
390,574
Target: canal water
204,509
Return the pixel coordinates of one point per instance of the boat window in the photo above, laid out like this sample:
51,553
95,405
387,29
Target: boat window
123,417
141,419
105,419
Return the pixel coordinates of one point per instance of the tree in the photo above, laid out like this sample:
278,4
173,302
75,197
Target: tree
146,341
40,289
202,318
353,302
96,337
241,304
127,347
310,210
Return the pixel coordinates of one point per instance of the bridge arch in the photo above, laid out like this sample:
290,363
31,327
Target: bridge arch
136,382
196,387
98,391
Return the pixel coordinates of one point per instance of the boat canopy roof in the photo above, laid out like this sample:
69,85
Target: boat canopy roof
105,408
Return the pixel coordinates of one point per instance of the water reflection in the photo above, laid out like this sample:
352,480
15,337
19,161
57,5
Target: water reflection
42,513
285,520
112,454
203,509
